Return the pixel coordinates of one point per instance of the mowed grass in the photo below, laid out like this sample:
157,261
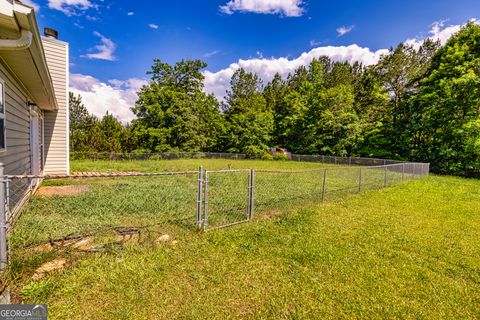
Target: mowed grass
172,199
411,251
187,165
136,201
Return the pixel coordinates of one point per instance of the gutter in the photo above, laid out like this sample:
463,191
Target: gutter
22,43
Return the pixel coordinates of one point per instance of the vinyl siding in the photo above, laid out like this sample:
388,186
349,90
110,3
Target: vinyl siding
56,123
16,158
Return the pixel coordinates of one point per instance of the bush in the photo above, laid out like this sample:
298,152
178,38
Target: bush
280,157
267,156
157,156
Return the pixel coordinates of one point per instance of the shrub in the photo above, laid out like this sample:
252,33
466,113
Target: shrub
280,157
157,156
267,156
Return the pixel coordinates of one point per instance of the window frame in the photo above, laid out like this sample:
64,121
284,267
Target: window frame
3,116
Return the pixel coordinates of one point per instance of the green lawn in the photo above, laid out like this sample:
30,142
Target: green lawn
171,201
186,165
408,251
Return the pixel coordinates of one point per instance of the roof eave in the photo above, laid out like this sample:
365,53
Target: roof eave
25,19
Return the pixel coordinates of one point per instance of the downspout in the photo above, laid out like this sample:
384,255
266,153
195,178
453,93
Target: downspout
21,43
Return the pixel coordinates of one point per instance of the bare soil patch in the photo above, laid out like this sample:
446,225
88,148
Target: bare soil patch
49,267
50,191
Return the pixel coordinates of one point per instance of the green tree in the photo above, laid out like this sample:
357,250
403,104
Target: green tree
447,105
81,124
249,123
319,115
112,134
372,107
173,113
274,94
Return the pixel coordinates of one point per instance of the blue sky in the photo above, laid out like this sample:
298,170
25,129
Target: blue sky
112,43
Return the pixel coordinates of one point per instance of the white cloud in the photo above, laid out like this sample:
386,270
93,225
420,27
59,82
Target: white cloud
211,54
218,82
71,7
116,96
32,4
104,51
438,32
289,8
153,26
344,30
130,13
314,43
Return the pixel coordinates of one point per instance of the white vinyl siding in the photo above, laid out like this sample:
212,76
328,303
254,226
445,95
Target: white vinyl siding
56,122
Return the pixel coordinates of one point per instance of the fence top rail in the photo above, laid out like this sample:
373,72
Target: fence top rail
293,171
335,168
227,171
140,174
99,175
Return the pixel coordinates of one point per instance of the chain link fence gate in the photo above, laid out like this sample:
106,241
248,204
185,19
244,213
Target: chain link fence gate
227,198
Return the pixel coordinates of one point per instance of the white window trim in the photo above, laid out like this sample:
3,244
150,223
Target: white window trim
4,117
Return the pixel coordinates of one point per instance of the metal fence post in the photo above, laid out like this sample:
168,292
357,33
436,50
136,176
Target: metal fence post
324,185
199,197
3,221
252,194
249,192
403,171
360,180
385,177
205,203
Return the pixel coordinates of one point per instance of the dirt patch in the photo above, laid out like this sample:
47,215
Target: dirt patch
162,238
134,237
50,191
81,244
86,244
267,215
48,267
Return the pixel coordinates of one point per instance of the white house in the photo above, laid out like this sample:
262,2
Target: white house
33,95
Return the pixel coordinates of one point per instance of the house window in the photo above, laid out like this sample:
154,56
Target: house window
3,143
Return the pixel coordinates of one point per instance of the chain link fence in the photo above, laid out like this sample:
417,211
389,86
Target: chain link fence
69,214
115,156
112,156
94,211
235,196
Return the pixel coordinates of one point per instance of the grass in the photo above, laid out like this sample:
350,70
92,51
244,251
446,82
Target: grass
172,200
410,251
186,165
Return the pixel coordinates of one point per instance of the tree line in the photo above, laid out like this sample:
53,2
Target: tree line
417,103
